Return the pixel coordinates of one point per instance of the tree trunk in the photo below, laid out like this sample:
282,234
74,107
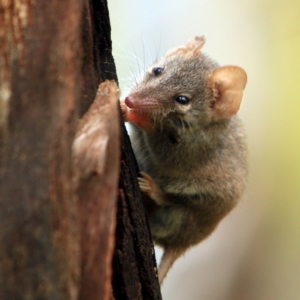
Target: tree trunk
58,207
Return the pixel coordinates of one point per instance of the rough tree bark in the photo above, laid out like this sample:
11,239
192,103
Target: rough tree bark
57,218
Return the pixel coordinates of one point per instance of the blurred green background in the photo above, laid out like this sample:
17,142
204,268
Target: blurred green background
255,252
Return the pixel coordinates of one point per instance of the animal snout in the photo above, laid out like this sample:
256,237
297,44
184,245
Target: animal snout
129,102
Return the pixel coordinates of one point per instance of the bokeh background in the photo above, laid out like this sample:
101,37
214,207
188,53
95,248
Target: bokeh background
255,252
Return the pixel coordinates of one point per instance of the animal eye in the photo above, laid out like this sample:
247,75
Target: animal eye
182,100
157,71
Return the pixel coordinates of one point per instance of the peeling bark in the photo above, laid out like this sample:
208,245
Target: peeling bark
97,154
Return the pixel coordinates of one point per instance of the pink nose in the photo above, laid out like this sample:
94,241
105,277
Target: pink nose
129,102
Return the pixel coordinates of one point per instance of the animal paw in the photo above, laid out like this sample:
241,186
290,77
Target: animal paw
123,109
150,188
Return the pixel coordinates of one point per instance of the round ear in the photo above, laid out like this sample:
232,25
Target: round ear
195,45
192,48
228,84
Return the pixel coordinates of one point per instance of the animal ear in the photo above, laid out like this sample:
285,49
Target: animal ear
192,48
195,45
228,84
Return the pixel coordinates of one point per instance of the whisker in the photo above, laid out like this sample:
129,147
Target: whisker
172,123
141,66
157,49
182,126
149,53
191,129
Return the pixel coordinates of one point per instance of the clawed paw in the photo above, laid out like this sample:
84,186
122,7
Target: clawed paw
123,108
150,188
146,183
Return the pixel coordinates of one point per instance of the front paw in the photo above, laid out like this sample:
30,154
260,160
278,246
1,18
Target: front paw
124,109
150,188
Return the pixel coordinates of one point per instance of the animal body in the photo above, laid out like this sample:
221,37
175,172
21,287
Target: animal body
189,144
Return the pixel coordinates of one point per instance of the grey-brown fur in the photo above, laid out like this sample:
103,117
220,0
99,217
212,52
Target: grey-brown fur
196,159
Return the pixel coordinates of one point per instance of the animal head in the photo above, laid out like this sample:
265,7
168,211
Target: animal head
186,85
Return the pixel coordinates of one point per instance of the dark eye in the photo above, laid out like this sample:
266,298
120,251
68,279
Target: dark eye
182,100
157,71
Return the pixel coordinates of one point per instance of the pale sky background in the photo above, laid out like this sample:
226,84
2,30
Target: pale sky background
255,252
